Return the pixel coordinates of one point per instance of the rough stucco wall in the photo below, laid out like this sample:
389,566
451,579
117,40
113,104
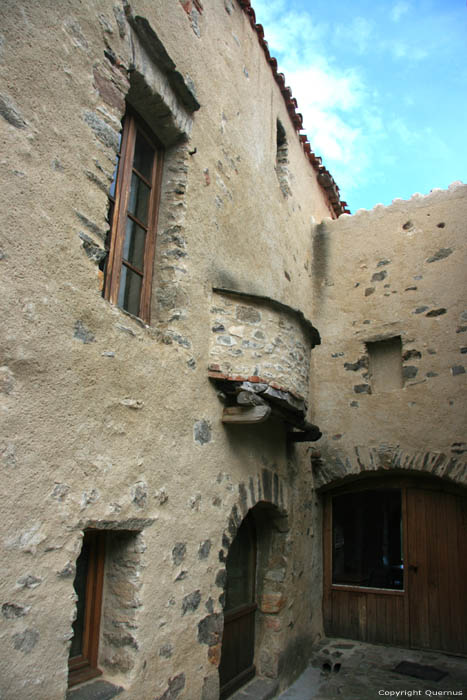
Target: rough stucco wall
110,424
395,271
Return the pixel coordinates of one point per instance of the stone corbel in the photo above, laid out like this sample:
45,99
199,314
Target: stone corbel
254,402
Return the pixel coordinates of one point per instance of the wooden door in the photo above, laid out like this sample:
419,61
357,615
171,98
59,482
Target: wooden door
410,594
237,659
437,570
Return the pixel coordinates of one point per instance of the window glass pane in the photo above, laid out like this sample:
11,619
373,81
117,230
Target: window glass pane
139,199
130,290
133,248
367,539
110,212
144,156
79,584
114,179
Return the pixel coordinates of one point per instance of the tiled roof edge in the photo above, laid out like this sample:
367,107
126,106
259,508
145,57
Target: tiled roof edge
325,179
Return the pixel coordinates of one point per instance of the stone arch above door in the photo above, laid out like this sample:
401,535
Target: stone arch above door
264,487
329,468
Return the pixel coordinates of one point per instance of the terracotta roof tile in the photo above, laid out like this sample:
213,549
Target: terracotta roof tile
325,178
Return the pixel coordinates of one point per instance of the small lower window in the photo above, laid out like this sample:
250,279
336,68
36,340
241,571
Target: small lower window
88,585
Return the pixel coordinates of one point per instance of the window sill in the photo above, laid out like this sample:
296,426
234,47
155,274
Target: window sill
366,589
97,690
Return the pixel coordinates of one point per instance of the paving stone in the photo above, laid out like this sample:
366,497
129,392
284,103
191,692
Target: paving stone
99,690
257,689
367,672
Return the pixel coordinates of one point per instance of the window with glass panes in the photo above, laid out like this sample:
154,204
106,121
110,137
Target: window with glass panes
134,201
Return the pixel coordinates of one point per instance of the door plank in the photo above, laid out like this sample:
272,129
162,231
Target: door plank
417,569
438,589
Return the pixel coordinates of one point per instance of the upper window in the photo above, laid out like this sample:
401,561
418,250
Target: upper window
282,159
134,201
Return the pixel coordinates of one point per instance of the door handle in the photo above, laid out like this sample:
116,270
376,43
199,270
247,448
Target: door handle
413,567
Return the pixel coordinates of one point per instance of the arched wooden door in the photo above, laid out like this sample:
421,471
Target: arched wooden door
238,641
396,564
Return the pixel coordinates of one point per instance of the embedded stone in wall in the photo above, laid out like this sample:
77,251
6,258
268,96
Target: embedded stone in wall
10,611
210,629
176,685
191,602
10,112
458,369
25,641
81,332
178,553
202,432
379,276
204,549
106,135
272,603
210,689
440,255
28,581
166,651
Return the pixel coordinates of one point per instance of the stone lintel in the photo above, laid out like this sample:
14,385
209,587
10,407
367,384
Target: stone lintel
129,525
159,56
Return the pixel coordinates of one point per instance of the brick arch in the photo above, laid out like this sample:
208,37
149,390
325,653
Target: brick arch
330,469
265,487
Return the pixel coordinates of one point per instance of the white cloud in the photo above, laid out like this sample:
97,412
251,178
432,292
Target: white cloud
342,117
341,123
357,34
323,86
399,9
403,133
400,50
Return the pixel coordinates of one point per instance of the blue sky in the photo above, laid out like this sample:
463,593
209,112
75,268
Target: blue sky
382,87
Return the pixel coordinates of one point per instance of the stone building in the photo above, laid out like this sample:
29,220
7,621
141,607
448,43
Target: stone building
233,415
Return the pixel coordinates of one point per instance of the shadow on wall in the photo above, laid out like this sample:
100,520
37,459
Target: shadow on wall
319,265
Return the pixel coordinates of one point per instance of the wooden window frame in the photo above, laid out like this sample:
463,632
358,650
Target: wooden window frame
85,666
119,208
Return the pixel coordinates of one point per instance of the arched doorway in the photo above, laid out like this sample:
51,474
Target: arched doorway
395,564
238,641
256,568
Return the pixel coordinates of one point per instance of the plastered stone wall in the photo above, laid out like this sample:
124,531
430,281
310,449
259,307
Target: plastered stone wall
111,424
402,275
